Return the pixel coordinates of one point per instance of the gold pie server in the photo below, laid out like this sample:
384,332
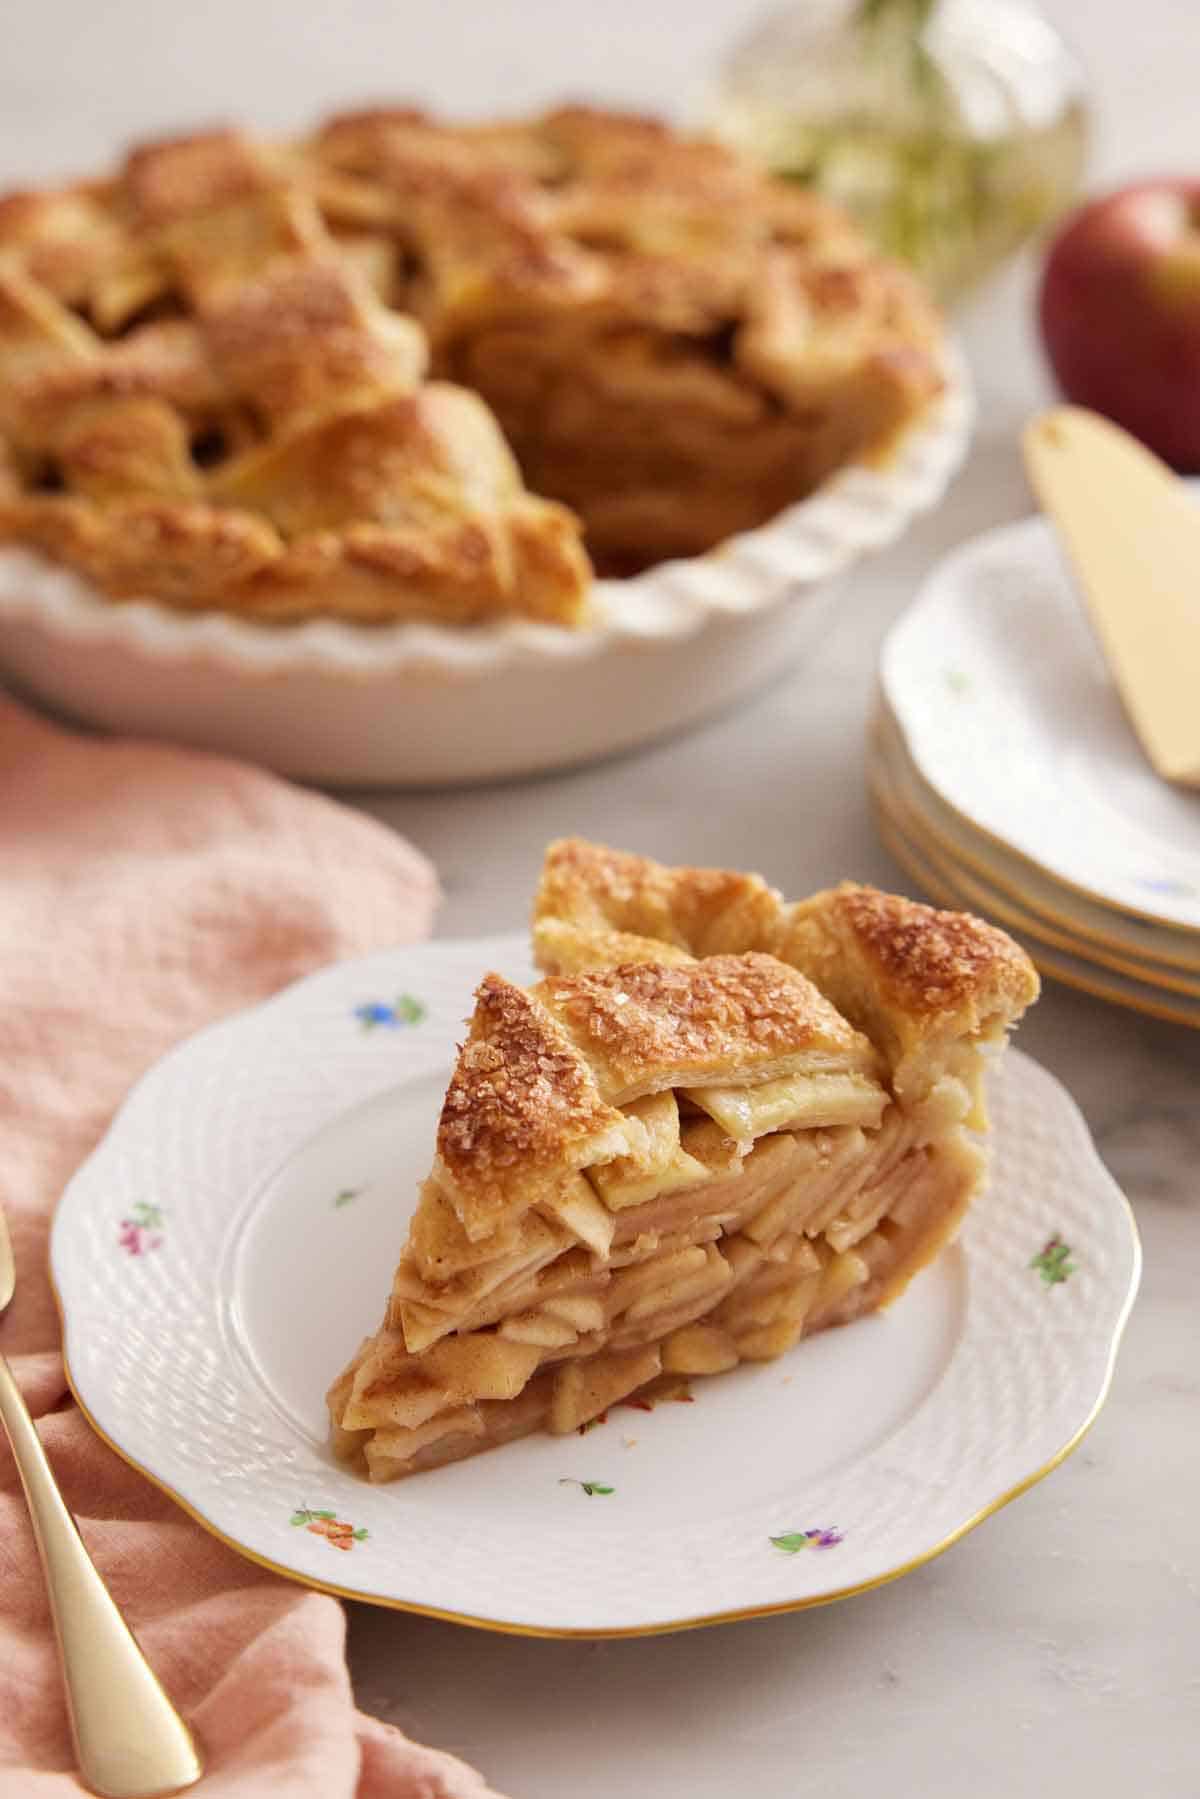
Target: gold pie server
130,1741
1131,531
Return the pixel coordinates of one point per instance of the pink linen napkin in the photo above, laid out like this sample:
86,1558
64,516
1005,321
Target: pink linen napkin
143,892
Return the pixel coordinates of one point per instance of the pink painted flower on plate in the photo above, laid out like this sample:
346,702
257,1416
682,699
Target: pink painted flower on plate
139,1233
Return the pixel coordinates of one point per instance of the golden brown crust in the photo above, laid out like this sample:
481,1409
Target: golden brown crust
312,339
173,177
913,978
926,960
284,414
673,347
521,1098
732,1019
563,947
704,911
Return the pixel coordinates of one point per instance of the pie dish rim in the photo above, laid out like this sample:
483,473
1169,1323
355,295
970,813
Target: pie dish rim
859,509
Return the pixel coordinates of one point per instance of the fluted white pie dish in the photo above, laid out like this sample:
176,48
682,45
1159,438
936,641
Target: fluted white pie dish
432,705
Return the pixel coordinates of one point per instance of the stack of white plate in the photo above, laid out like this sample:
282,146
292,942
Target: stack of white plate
1007,780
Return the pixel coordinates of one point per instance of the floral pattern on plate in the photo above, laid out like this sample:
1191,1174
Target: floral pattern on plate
336,1531
399,1014
1053,1262
793,1541
139,1233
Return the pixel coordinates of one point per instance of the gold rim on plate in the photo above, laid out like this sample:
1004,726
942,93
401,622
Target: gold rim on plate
499,1627
1089,893
887,737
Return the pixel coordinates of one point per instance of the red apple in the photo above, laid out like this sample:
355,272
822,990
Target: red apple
1120,313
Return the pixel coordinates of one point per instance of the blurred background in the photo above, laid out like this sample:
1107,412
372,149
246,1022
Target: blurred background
79,82
80,79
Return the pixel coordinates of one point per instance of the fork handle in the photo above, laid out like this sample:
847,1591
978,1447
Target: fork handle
130,1740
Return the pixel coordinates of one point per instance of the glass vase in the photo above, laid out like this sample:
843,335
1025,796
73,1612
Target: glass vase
952,129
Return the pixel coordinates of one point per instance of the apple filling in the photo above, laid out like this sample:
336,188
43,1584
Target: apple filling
740,1220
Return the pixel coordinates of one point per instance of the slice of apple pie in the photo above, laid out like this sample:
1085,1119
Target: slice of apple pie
719,1123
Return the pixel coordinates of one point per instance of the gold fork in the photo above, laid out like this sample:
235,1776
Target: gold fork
130,1741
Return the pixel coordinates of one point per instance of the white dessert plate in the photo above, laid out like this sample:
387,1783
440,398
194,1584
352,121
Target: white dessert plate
1158,953
1012,717
412,705
222,1252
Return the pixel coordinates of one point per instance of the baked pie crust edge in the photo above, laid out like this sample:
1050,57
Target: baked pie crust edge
288,379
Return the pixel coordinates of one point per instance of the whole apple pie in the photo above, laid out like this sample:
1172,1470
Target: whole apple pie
719,1123
402,369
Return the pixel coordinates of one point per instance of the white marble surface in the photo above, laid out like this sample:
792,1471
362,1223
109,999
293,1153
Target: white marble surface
1055,1649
